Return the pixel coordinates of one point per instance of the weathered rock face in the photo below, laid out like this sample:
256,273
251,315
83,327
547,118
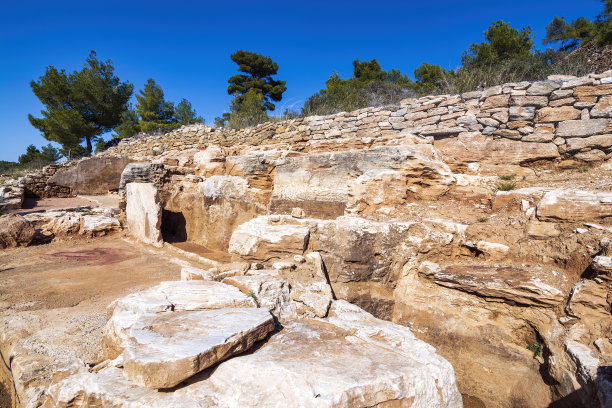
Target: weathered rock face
351,360
321,184
478,148
143,212
532,286
575,205
164,350
92,176
206,212
15,231
11,197
260,239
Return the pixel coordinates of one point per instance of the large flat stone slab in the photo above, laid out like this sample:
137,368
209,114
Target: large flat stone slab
532,285
169,296
351,360
164,350
575,206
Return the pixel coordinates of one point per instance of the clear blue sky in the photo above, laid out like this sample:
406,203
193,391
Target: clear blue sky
185,45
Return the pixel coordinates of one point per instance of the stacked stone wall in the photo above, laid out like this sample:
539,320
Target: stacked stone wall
572,114
37,184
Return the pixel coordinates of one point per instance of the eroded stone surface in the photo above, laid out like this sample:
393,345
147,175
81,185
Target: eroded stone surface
575,205
309,362
143,212
260,239
166,349
15,230
166,297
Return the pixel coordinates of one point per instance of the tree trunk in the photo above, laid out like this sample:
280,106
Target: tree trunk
89,147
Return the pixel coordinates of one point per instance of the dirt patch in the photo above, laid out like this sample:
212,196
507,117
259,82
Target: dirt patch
31,205
97,256
50,276
5,397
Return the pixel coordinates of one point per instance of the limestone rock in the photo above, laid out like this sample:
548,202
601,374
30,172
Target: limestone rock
141,173
269,292
143,212
582,128
535,286
98,225
167,296
214,208
258,239
321,183
15,231
542,88
542,230
598,142
65,225
497,101
164,350
93,175
475,147
557,114
311,363
191,273
211,161
11,197
603,108
575,205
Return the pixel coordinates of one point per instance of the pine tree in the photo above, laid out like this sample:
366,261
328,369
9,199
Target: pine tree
155,113
82,105
502,42
558,31
258,71
49,154
185,114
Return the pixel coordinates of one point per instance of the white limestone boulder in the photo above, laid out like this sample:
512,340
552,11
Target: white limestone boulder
269,292
350,359
260,240
143,212
170,296
165,349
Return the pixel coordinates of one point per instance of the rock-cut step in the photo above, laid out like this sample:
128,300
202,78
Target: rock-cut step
165,349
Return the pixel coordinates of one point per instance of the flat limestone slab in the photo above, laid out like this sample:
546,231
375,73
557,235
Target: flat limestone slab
164,350
575,206
169,296
349,360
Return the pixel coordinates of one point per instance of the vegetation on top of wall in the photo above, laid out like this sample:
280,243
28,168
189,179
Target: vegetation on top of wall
80,106
153,114
253,90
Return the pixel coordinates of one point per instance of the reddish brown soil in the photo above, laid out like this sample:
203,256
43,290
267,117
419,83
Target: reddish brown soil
52,276
43,204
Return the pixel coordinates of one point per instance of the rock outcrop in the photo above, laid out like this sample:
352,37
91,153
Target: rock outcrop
15,230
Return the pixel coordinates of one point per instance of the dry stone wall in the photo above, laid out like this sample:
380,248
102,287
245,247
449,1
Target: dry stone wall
563,116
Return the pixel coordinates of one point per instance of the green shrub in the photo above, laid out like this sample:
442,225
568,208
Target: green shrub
536,348
483,219
506,185
254,297
583,170
507,177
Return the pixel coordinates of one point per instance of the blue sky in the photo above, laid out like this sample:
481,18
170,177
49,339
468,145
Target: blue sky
185,45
